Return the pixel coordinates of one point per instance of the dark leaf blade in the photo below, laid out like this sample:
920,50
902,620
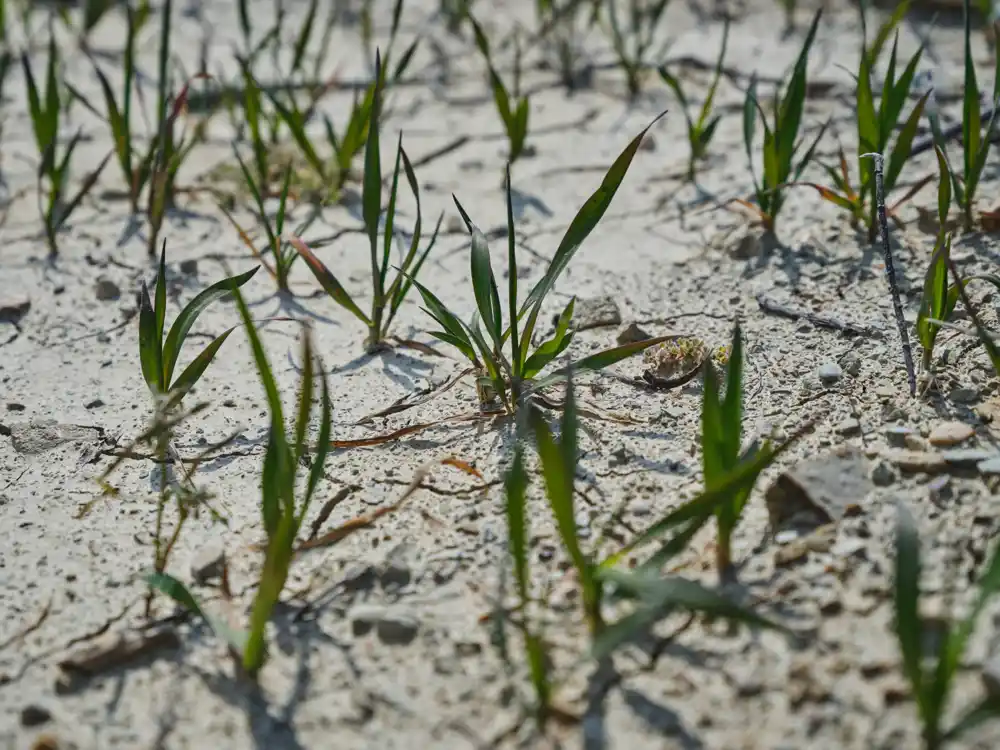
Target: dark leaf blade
327,280
193,372
150,354
906,588
171,587
187,317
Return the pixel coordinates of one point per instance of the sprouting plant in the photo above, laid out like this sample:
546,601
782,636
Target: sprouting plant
158,355
507,378
46,107
875,129
560,29
931,676
938,301
699,131
386,298
975,144
281,513
512,107
456,13
781,139
632,45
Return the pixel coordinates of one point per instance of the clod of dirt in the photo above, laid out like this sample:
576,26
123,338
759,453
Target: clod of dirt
208,563
950,433
34,715
39,436
632,334
964,395
829,373
596,312
106,290
819,491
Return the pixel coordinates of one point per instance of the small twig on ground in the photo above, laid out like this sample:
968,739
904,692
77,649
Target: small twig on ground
890,272
774,307
28,629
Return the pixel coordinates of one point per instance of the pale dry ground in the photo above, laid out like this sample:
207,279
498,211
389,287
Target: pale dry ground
327,686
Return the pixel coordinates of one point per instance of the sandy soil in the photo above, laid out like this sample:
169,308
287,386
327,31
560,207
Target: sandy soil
428,675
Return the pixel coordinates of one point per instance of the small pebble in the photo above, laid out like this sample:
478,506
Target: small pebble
989,467
964,395
189,267
917,461
829,373
885,391
33,715
896,435
851,363
950,433
967,457
849,427
106,290
14,406
397,627
883,475
95,404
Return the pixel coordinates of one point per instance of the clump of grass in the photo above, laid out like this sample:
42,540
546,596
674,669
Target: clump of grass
386,298
158,355
513,108
700,131
632,45
875,128
506,378
931,677
781,138
975,143
46,107
281,513
456,14
560,30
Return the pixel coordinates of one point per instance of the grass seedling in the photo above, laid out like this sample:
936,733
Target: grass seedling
939,299
975,144
506,379
931,676
781,140
559,25
699,131
158,355
46,108
456,13
512,108
281,513
632,46
386,298
721,434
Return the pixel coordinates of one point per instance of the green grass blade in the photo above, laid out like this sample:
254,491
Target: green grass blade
517,361
390,216
552,348
908,624
305,398
187,317
160,301
327,280
732,406
170,586
706,107
516,485
371,194
789,116
409,275
305,34
901,151
971,125
150,352
193,372
484,285
586,219
119,128
294,121
935,296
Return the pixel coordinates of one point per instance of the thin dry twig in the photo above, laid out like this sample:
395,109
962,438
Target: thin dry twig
773,307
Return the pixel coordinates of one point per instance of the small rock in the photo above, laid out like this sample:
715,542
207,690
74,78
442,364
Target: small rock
820,490
989,467
208,563
619,456
950,433
849,427
397,627
964,395
829,373
358,576
596,312
967,458
896,435
885,391
33,715
364,617
917,461
882,474
189,267
11,311
641,507
396,570
95,404
632,334
44,434
851,363
14,406
790,553
745,243
106,290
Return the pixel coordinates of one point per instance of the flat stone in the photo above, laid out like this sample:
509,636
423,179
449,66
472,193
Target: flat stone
829,373
924,462
989,467
849,427
964,395
950,433
364,617
208,563
106,290
358,576
397,627
596,312
820,490
896,435
968,457
42,435
885,391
